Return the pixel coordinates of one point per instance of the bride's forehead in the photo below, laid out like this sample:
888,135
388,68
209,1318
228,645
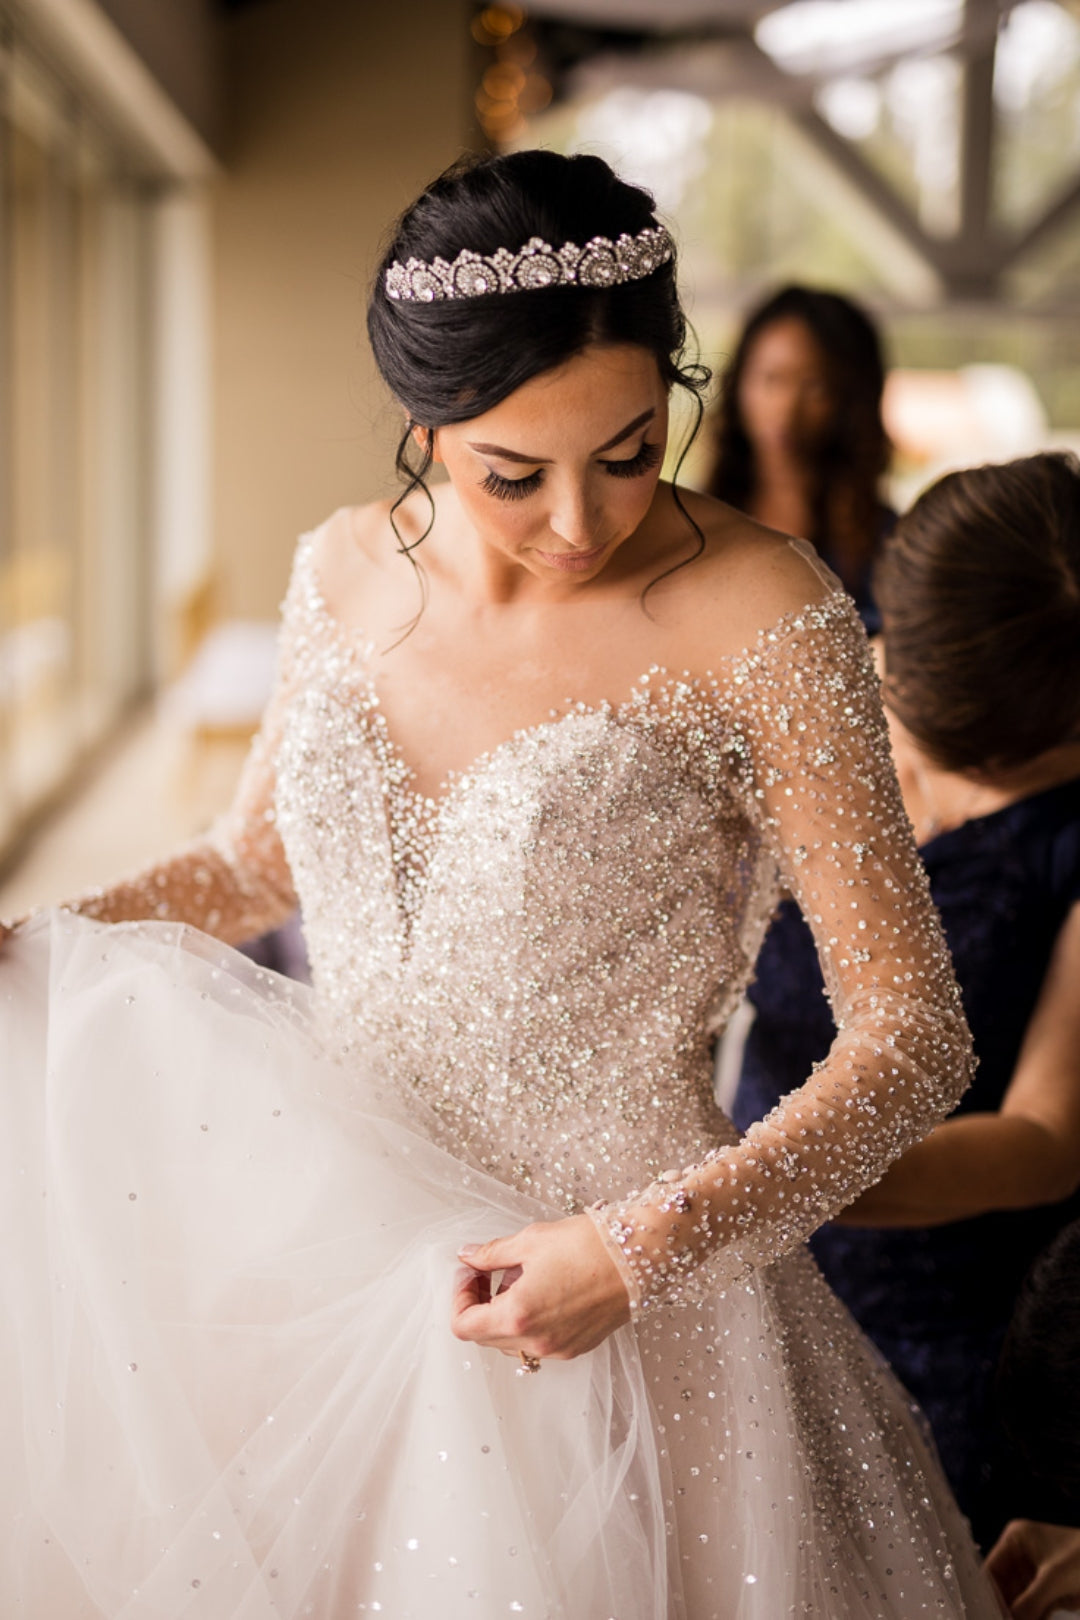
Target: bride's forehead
614,383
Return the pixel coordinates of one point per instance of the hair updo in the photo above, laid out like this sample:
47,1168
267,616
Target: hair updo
979,589
451,360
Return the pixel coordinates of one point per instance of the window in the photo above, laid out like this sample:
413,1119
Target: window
74,590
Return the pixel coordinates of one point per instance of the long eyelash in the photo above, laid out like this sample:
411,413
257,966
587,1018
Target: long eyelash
511,489
646,459
516,489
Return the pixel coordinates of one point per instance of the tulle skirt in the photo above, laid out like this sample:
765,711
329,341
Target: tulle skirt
229,1391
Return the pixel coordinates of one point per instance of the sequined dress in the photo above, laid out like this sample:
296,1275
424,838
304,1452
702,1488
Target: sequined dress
240,1200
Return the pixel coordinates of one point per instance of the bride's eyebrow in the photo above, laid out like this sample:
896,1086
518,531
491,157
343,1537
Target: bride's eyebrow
539,461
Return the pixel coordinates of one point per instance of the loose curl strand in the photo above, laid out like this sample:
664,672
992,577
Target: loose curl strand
697,378
413,478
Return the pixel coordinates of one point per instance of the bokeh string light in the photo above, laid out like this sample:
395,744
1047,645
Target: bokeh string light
511,87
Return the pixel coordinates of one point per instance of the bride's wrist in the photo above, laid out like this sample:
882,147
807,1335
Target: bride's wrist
605,1219
655,1238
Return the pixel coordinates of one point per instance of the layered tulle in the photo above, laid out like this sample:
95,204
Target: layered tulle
228,1387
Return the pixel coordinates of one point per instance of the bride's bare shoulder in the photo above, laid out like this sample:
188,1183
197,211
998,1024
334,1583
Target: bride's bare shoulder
745,579
358,548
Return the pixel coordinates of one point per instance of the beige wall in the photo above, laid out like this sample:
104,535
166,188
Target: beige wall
179,43
337,113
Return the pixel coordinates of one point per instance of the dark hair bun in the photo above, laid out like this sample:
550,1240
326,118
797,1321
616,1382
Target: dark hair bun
979,589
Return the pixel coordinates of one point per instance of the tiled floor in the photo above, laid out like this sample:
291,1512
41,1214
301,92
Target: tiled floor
156,790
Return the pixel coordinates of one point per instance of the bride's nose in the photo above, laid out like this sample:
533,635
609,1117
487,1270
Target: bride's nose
572,519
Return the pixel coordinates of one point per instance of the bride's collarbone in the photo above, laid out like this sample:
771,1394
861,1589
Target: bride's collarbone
424,631
528,664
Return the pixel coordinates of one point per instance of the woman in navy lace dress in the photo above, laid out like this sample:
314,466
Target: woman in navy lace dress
980,590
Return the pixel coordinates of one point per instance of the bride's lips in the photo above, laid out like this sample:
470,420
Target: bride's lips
572,562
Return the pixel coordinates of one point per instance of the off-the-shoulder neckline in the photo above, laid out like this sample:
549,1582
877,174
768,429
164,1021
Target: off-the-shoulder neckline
834,600
658,681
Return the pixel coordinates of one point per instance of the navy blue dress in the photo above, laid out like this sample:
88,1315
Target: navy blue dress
860,587
937,1300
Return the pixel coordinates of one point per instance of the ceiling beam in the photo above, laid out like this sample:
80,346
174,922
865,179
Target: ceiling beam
844,156
969,262
1065,203
976,131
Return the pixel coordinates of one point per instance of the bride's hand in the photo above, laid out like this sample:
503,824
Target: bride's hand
561,1293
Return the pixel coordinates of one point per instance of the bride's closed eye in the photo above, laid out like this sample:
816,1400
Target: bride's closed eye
516,489
648,457
512,489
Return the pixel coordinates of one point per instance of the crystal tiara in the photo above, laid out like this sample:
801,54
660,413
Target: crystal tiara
600,263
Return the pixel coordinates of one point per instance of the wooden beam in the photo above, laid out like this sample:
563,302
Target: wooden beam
784,91
969,262
1064,204
977,128
873,185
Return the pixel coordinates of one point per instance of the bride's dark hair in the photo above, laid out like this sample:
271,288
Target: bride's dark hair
450,360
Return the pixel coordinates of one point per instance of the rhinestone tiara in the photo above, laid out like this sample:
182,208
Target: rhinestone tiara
600,263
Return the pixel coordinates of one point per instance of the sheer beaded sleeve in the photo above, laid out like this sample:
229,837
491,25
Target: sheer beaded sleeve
234,883
803,713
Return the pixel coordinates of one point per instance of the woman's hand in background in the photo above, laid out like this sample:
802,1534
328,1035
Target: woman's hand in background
1026,1154
1037,1568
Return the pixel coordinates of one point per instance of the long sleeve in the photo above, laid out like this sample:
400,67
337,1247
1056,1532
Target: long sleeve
804,715
235,882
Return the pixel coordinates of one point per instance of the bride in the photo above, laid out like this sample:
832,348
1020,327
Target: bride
545,744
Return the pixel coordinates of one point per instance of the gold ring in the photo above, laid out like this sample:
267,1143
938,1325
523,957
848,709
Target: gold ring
529,1364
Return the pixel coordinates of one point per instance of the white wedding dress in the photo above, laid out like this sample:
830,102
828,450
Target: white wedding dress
227,1382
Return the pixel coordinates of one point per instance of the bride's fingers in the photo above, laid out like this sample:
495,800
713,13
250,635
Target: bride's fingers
470,1317
495,1321
473,1291
470,1288
509,1278
502,1254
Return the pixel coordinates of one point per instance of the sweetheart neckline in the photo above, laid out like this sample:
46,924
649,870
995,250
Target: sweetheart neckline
359,645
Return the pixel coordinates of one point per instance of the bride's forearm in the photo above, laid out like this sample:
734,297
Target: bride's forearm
201,886
745,1205
714,1210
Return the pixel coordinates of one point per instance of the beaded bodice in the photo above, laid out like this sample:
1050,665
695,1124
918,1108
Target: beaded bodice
543,954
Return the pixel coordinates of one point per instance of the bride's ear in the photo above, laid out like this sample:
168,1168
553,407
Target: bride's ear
424,438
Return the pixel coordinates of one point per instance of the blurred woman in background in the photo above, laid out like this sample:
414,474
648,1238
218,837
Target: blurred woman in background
980,596
799,439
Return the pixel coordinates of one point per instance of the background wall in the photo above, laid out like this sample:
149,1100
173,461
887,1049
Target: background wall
177,40
338,111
